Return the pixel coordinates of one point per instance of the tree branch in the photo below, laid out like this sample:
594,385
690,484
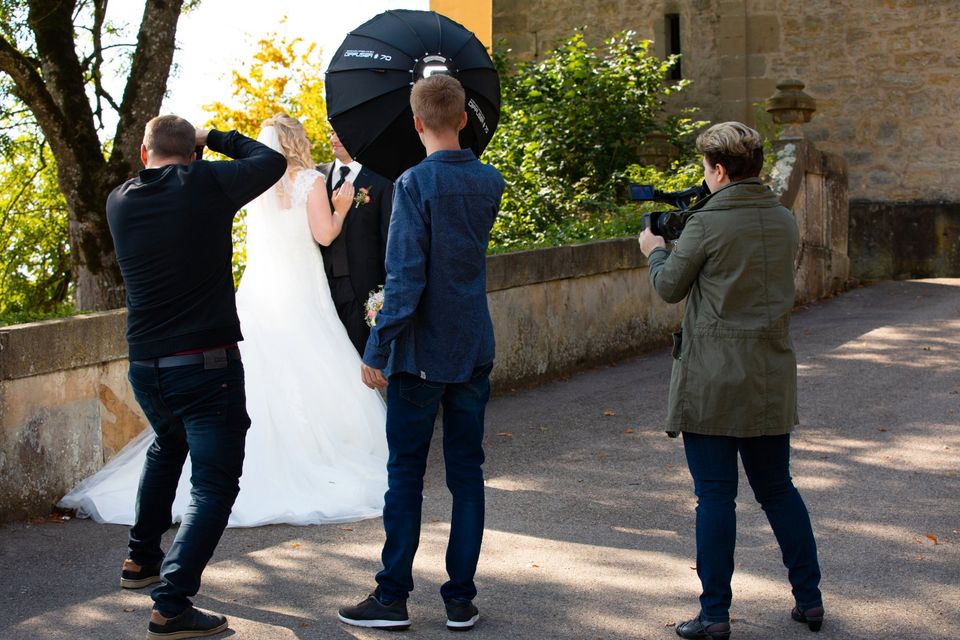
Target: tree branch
30,88
52,24
147,82
99,15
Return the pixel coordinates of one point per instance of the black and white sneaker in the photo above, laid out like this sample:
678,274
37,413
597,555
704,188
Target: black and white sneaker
461,614
372,613
135,576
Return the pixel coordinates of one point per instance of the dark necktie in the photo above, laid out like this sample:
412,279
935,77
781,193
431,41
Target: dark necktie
338,250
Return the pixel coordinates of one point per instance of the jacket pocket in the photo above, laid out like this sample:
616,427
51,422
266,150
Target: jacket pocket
677,344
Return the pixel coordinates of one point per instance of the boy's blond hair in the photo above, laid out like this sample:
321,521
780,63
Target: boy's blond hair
439,101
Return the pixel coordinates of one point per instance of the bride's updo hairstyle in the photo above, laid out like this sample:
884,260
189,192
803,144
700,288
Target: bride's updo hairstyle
294,143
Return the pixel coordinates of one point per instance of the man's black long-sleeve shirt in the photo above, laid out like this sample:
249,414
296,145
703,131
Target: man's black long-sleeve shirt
171,227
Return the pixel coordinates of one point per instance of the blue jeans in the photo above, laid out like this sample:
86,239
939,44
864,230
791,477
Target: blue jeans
412,406
200,412
766,460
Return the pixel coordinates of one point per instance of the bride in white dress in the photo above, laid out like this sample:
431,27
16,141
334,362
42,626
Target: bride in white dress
316,450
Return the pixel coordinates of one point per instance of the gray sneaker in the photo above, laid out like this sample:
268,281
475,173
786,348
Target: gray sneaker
461,614
372,613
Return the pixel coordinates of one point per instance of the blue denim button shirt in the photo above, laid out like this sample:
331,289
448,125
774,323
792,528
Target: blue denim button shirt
434,322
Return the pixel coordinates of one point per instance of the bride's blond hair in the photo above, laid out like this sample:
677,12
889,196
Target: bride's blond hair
294,143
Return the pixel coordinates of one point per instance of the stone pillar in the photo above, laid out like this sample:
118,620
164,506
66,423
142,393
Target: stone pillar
790,108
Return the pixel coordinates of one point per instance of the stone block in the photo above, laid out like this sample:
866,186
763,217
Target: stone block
522,46
920,240
511,23
733,89
42,347
763,34
553,328
732,28
761,89
49,439
756,66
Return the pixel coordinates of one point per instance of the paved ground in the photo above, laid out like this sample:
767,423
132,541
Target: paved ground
590,511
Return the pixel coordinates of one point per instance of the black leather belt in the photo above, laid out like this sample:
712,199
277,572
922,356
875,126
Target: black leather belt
210,359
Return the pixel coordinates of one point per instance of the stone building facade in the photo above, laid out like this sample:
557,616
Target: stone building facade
885,75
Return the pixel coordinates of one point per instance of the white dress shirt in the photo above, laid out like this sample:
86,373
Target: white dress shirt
351,177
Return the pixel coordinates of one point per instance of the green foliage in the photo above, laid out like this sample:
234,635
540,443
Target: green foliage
285,75
34,251
572,125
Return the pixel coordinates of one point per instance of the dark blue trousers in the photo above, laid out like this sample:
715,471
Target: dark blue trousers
766,460
412,407
200,412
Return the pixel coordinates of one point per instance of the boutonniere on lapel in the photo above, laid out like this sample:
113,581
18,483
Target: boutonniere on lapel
361,197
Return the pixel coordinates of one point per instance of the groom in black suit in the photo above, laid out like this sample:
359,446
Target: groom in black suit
354,260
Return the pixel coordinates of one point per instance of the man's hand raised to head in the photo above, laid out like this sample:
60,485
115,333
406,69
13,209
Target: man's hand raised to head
371,377
202,137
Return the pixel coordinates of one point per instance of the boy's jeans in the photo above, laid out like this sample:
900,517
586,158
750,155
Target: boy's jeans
412,406
200,412
766,460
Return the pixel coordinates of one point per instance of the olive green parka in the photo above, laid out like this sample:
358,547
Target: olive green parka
734,370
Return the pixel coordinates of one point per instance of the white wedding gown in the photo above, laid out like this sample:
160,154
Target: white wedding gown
316,450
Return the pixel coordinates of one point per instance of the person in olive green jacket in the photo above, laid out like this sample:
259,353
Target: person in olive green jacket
733,389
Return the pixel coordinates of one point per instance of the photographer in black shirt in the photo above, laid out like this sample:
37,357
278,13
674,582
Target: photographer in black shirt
171,226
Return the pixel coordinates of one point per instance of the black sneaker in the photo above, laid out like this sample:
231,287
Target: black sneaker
135,576
461,614
192,623
375,614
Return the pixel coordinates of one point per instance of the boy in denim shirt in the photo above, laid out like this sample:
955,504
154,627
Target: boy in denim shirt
433,342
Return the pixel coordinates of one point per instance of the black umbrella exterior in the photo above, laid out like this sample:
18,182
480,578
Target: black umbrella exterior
370,76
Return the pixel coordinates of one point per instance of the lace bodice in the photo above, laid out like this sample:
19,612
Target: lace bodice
295,191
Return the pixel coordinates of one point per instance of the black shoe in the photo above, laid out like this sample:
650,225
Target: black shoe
192,623
461,614
135,576
812,617
697,629
372,613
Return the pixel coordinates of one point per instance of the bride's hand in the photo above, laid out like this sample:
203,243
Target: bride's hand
343,197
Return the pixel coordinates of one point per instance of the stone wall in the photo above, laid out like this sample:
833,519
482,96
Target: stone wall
562,309
885,73
65,407
904,240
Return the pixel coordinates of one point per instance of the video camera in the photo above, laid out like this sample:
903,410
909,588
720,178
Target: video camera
667,224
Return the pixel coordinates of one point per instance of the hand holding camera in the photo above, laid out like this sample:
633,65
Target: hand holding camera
666,224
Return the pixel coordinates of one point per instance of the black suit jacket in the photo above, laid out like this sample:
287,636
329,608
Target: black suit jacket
363,239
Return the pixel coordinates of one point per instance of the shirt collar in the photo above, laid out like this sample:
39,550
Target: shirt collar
354,166
452,155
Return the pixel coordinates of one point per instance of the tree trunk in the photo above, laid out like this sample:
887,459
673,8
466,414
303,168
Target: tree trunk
99,285
53,84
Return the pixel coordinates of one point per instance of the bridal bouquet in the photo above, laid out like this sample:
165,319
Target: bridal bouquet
373,305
